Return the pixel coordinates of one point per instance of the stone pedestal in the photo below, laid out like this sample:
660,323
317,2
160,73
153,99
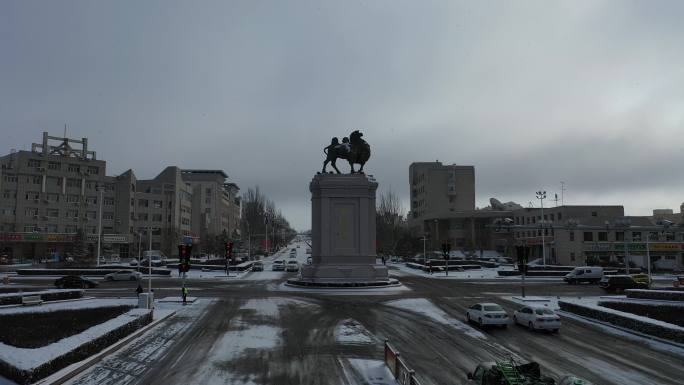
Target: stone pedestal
343,232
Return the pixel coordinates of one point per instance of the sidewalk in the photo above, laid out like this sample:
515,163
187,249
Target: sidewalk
129,364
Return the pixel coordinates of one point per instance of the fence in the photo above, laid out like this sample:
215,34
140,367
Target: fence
397,366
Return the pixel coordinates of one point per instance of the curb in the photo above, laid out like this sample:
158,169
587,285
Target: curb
635,333
92,360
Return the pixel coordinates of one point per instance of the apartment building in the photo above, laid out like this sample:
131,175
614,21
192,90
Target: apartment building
216,205
50,192
57,188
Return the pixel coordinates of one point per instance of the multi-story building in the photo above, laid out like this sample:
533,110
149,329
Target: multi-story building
443,208
49,193
216,206
56,189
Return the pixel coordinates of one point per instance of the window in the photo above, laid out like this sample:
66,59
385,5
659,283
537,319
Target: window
143,203
29,228
34,163
157,217
11,178
142,217
636,236
552,217
108,201
7,211
653,236
559,216
91,200
30,211
93,170
51,228
594,213
588,236
90,185
91,214
92,230
54,166
619,236
71,198
72,213
53,181
73,168
73,182
70,229
572,236
37,179
107,216
32,195
208,191
546,217
603,236
52,213
157,204
572,256
669,236
9,194
132,202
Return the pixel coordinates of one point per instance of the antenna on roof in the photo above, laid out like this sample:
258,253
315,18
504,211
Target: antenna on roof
562,192
65,130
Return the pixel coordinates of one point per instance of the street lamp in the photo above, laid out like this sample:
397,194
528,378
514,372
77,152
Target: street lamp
424,239
541,195
437,232
100,189
625,223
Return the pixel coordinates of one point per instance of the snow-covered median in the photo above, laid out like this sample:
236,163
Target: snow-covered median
428,309
350,331
28,365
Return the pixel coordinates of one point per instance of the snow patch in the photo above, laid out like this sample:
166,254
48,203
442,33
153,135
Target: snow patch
47,307
428,309
349,331
364,371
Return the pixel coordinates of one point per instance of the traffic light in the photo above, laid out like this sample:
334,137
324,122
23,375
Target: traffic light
184,252
446,249
523,253
229,250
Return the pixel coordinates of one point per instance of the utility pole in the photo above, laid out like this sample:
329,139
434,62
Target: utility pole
100,189
562,192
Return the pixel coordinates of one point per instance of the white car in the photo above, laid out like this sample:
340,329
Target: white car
292,266
123,275
278,265
537,318
487,314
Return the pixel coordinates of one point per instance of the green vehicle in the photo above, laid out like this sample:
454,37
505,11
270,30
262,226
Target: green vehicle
510,373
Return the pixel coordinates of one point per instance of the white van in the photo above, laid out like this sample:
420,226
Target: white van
157,256
591,274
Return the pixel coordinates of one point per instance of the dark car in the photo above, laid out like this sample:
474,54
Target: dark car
75,282
619,283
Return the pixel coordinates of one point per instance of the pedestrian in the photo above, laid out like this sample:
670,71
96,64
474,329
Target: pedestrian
430,267
139,289
184,293
180,270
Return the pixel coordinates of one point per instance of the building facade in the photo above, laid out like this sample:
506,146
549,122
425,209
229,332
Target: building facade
49,193
59,187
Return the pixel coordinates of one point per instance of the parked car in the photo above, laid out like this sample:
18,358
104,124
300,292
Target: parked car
591,274
278,265
537,318
257,266
75,282
620,283
292,266
487,314
123,275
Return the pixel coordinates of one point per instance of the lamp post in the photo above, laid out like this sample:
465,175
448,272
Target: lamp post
424,239
437,231
100,189
149,262
541,195
139,248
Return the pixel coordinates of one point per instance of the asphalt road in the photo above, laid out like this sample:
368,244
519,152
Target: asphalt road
307,352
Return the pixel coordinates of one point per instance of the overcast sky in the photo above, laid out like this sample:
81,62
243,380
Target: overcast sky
529,92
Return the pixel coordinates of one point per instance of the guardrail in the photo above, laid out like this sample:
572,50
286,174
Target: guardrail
397,366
